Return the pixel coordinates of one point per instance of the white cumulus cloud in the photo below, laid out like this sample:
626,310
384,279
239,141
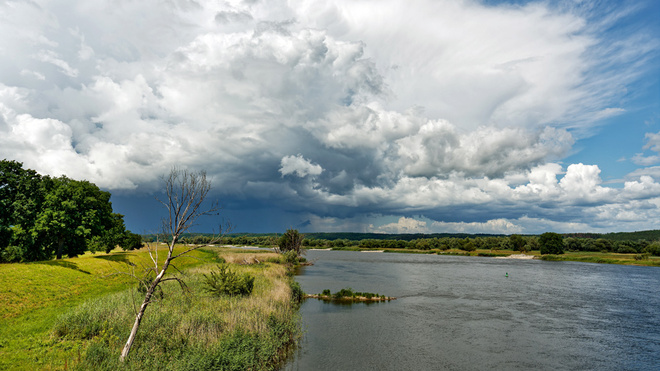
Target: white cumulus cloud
299,166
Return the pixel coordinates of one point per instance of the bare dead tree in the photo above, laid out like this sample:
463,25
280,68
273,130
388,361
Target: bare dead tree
186,192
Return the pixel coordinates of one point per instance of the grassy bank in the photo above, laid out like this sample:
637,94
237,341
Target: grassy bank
74,314
578,256
606,258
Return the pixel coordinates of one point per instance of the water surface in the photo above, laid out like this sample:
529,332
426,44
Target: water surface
463,313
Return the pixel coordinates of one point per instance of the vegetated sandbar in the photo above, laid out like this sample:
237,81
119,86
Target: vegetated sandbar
348,298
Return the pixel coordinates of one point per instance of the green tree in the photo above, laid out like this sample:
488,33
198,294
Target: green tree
573,244
131,241
42,216
291,240
551,243
532,243
517,242
21,194
75,213
653,248
111,236
468,245
603,245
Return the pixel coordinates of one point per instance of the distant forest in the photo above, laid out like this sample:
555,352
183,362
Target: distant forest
651,235
644,242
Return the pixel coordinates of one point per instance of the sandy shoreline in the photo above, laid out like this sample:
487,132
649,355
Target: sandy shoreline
516,256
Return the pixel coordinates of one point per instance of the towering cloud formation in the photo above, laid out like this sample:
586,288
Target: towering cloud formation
353,112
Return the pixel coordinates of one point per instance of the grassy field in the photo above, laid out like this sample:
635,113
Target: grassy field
76,313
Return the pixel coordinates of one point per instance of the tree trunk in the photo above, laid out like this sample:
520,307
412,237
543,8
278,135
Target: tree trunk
60,245
143,307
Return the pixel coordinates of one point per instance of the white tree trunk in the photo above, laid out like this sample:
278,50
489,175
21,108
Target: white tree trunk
143,307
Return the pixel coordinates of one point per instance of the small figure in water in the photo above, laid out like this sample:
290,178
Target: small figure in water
507,274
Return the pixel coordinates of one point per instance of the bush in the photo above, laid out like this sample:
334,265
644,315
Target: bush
291,240
11,254
274,259
347,292
227,282
297,293
291,257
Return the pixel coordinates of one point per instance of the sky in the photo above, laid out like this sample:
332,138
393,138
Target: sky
386,116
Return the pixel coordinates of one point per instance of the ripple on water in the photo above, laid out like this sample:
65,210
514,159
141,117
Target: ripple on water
462,313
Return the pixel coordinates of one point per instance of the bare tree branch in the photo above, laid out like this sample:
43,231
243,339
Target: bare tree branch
186,192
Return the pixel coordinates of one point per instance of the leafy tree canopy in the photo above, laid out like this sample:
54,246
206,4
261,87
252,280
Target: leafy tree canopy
291,240
42,216
551,243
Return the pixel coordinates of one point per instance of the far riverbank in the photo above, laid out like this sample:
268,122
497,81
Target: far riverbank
579,256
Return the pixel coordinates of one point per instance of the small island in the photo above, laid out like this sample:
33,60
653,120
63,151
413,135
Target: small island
348,295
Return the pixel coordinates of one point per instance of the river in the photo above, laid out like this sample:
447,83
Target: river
464,313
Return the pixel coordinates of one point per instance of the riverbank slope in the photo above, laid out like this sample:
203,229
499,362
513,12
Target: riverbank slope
78,312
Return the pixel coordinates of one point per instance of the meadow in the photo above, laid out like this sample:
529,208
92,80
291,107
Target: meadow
76,314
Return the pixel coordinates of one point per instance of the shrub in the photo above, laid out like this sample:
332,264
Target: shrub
291,257
297,293
291,240
224,281
348,292
274,259
11,254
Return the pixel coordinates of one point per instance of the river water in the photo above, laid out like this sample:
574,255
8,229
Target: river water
464,313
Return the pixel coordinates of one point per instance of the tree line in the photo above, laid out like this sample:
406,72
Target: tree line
548,242
42,217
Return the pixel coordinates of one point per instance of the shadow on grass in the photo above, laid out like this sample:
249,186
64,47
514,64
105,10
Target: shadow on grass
117,257
64,264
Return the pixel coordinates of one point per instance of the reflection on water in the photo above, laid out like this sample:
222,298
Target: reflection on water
460,313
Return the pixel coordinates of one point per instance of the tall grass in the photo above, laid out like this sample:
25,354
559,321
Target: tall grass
189,329
70,314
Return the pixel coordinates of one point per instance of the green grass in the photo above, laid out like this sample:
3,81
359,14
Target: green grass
39,300
603,258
